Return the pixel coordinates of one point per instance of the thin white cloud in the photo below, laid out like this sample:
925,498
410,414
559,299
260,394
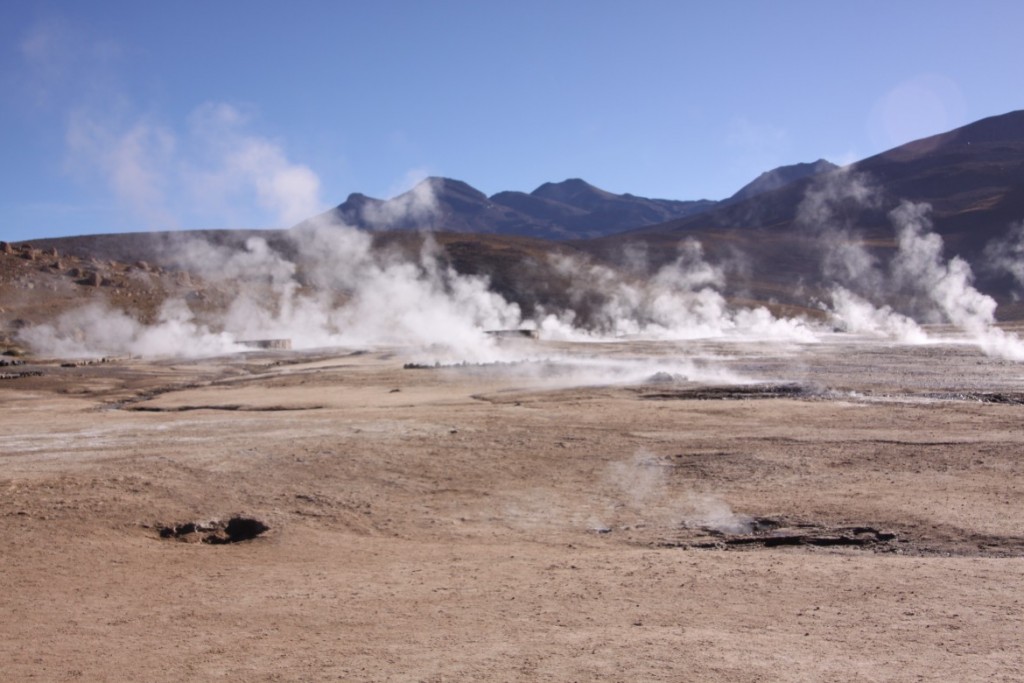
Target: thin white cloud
234,165
132,161
62,64
195,178
210,170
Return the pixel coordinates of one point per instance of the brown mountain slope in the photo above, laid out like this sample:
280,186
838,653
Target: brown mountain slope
973,178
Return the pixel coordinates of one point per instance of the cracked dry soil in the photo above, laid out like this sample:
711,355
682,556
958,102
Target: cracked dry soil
478,525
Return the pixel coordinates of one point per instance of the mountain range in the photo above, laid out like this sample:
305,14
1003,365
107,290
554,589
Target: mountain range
972,178
569,210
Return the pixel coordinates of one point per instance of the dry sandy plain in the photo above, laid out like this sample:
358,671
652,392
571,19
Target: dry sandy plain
858,516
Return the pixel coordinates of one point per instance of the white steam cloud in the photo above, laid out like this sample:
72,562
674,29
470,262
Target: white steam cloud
335,289
681,301
325,284
1006,255
132,161
86,330
205,174
918,279
238,166
827,212
852,313
415,207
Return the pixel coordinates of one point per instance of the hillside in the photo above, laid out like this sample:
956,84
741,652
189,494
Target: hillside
972,177
780,177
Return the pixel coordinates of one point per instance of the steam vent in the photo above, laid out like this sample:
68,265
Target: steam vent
275,344
527,334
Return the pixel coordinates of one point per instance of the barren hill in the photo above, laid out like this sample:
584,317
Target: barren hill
972,178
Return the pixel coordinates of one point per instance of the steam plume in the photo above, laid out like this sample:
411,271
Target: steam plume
680,301
1006,255
925,285
648,494
97,328
946,286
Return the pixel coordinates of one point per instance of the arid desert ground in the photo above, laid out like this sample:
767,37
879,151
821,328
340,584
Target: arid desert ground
849,510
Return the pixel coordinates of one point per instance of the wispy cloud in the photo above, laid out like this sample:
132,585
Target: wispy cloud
232,165
62,63
199,171
134,162
209,169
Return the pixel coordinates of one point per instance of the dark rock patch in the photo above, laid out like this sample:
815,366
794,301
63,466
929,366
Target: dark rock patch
215,532
514,334
1002,398
19,375
768,532
733,392
231,407
91,279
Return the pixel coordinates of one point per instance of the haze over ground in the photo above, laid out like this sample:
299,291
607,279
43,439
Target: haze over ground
123,117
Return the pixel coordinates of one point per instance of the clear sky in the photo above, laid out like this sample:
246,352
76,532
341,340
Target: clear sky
119,116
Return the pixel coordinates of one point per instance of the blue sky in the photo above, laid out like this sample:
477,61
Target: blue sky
121,116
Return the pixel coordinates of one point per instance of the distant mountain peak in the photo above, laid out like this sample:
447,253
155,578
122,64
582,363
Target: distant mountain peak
443,186
780,177
359,197
570,191
567,184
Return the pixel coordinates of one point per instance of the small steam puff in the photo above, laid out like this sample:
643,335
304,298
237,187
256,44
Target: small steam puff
711,512
418,206
646,494
1006,255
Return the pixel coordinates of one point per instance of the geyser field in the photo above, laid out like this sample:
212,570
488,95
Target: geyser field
846,508
421,478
